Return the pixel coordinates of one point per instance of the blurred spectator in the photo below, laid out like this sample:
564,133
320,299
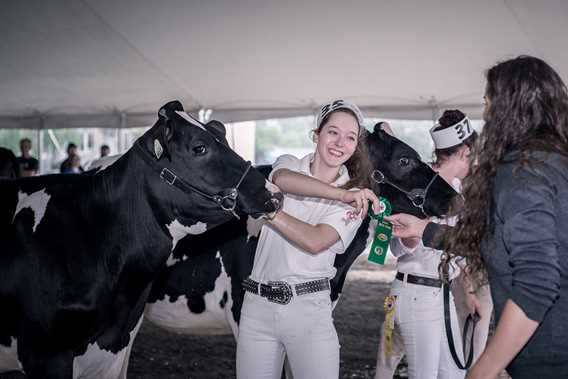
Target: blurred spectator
28,164
105,151
72,164
9,166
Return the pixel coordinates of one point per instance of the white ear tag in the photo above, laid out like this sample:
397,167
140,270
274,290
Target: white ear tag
158,149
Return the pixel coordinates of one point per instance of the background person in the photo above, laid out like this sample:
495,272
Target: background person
105,151
29,166
71,164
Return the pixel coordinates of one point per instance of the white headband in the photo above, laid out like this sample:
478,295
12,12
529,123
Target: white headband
452,135
339,104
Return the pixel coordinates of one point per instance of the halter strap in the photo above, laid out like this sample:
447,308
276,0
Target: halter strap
226,198
417,196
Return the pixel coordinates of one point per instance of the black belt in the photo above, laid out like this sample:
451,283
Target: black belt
420,280
281,292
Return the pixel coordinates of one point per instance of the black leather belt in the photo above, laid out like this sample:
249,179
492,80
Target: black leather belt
281,292
420,280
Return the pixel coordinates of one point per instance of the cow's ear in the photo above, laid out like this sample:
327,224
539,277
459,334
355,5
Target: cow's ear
164,132
168,110
378,128
217,128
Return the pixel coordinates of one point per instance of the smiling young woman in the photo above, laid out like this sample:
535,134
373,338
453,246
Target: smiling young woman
287,308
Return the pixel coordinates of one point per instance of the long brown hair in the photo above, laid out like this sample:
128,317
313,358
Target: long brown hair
358,165
527,111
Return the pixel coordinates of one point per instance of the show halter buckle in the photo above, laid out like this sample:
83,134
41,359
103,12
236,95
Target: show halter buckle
383,232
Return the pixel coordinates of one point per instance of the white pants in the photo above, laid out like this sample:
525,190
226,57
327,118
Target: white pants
302,330
387,363
419,332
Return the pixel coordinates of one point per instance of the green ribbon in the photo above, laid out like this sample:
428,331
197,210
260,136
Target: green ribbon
383,232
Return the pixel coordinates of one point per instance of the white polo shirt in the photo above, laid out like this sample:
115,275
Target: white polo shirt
279,259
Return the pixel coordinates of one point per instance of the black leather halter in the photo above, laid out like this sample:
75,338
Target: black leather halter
226,198
417,196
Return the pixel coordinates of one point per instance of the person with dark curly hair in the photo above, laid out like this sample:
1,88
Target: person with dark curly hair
415,322
512,227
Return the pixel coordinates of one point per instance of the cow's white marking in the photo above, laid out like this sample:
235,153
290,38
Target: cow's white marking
36,201
9,357
253,227
99,363
191,120
178,231
177,317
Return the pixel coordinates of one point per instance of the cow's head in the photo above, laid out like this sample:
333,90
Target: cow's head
199,174
407,182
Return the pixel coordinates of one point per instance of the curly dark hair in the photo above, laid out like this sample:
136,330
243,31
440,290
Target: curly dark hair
358,165
526,111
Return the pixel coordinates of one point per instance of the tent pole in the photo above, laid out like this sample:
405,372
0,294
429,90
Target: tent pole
435,109
120,132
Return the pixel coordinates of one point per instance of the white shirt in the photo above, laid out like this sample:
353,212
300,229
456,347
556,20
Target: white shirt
279,259
422,260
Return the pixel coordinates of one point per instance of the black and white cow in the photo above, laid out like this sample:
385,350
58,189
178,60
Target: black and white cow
79,252
200,292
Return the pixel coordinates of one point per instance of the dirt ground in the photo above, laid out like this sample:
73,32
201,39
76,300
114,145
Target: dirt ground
358,316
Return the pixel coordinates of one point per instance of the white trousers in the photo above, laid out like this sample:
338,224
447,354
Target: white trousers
419,332
302,331
387,363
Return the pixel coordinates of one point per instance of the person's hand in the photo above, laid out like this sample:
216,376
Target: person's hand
359,199
407,226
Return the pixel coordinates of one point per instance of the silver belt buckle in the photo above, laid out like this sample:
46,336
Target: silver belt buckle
280,292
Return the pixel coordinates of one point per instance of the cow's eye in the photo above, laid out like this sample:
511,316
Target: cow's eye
404,161
199,150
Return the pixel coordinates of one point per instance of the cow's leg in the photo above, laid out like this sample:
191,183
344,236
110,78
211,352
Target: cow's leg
40,363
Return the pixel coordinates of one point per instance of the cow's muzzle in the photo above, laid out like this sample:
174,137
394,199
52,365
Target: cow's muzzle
417,196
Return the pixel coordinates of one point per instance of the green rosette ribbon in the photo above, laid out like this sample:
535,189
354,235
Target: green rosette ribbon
383,232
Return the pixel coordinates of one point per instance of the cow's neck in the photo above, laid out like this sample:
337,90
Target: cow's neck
158,222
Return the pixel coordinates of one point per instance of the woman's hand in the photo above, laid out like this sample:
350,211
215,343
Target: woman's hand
359,199
407,226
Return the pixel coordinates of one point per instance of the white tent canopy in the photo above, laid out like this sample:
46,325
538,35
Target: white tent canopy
113,63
